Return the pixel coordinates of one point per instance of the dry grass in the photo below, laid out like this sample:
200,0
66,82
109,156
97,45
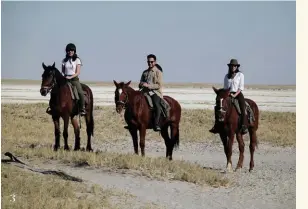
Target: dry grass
278,129
25,125
32,190
166,85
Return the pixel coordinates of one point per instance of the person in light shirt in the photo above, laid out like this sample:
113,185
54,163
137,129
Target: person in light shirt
234,81
71,69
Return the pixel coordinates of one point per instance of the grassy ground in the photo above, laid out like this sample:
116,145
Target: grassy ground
21,188
276,128
166,85
25,126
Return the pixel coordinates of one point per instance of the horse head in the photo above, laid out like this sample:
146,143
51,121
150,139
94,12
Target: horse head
121,95
222,99
48,79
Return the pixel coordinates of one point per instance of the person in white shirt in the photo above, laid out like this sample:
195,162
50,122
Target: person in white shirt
71,69
234,81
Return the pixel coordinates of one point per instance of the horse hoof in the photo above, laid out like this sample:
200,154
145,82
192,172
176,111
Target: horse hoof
250,170
89,150
238,170
66,148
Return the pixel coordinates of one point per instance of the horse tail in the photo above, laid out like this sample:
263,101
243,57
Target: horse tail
177,138
91,122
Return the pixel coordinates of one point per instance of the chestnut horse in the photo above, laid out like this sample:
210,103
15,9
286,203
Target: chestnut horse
228,126
139,116
65,107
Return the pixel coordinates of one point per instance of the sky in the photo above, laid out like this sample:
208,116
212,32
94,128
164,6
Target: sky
193,41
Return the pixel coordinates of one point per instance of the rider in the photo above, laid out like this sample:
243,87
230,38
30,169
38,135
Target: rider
234,80
71,69
151,83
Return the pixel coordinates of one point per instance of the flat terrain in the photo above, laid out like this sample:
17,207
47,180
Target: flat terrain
115,178
279,100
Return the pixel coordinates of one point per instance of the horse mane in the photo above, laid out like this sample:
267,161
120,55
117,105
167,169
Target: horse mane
61,80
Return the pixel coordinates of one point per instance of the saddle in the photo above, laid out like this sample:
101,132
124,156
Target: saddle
74,94
248,110
165,107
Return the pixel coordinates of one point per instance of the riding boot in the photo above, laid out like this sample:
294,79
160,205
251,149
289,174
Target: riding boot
156,102
215,130
157,117
51,103
49,111
77,84
243,113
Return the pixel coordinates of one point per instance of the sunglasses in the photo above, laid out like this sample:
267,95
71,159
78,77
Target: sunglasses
150,61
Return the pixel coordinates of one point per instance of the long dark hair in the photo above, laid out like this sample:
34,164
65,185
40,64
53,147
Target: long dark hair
67,57
231,73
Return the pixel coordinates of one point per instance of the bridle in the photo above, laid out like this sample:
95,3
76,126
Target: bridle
123,104
54,82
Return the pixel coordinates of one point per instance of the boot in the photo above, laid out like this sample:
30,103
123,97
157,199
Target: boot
214,130
83,111
49,111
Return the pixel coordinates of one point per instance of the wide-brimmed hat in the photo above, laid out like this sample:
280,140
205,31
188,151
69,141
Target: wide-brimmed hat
234,62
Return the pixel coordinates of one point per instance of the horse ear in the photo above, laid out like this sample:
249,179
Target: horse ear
115,83
54,64
44,66
127,84
214,89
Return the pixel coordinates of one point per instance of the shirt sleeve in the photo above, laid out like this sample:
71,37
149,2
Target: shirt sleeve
241,83
226,86
78,61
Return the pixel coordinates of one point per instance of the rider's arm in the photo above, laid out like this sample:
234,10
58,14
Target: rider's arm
77,72
141,81
63,67
226,83
240,85
159,78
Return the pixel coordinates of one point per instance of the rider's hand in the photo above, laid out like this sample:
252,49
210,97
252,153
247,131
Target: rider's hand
145,85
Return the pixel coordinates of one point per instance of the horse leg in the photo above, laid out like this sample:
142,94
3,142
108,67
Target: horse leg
56,121
65,132
252,147
77,133
224,140
142,132
175,138
165,135
241,146
133,133
229,155
90,127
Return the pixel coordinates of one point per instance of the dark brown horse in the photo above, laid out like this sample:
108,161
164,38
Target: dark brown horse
229,126
139,116
65,107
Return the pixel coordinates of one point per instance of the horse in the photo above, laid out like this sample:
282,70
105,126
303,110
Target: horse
139,116
228,126
66,107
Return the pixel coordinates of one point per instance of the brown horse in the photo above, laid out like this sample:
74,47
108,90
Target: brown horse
228,126
139,116
65,107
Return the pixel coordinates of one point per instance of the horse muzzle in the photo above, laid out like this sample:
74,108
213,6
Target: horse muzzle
44,91
119,107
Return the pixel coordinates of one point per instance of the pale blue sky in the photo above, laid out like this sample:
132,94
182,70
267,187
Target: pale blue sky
193,41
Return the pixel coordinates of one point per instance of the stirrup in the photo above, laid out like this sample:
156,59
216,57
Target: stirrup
49,111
